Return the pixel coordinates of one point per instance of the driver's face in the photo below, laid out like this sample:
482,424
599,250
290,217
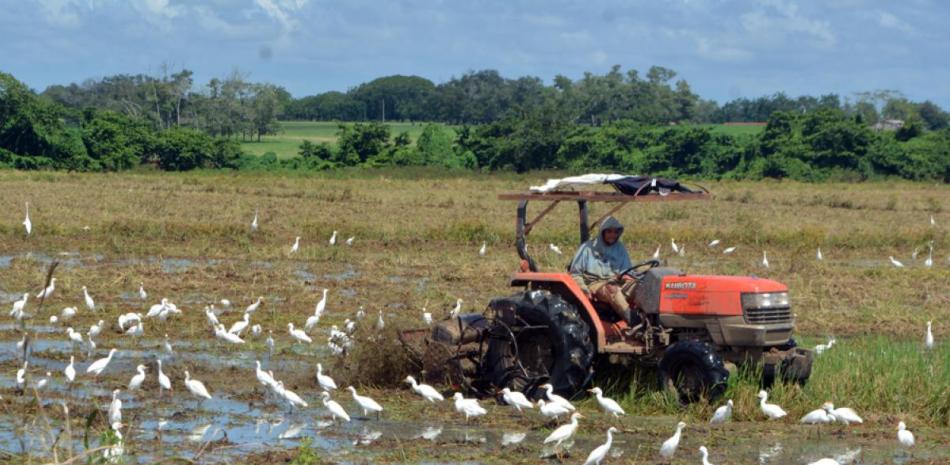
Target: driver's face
611,235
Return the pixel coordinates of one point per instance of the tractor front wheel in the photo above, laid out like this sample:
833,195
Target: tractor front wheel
694,371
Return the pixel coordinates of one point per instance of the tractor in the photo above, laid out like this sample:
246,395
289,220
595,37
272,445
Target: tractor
695,330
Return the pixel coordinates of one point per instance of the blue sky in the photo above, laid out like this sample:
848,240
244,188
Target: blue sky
724,49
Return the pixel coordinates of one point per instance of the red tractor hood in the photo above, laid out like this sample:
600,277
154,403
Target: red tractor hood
711,295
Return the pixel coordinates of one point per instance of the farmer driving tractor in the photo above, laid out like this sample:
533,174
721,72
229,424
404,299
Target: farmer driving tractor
595,268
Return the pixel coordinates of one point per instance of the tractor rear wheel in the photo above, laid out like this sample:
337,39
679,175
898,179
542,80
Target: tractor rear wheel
694,371
543,339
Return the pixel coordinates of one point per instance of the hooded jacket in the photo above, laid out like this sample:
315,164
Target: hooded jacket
595,260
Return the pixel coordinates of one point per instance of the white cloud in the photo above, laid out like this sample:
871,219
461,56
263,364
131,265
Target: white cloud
890,21
60,12
787,22
282,10
718,51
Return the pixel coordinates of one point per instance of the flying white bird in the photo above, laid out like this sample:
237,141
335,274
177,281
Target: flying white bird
349,240
100,365
676,248
552,397
335,408
772,411
298,334
929,337
552,409
115,408
904,436
895,262
714,243
555,249
722,414
142,294
482,251
563,432
427,392
669,446
294,248
515,399
366,403
333,238
137,380
27,224
70,370
607,404
197,388
48,291
254,306
323,380
656,253
729,250
468,407
819,256
765,259
164,382
704,453
597,455
254,222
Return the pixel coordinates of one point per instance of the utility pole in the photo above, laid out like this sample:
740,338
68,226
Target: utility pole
383,103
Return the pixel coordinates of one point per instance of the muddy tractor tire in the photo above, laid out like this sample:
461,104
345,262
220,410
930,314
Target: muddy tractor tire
694,371
538,338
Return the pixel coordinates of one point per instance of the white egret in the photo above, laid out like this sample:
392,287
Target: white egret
563,432
97,367
17,311
682,251
70,370
772,411
254,306
427,392
515,399
765,259
167,345
142,294
825,461
312,321
349,240
821,416
552,397
705,455
21,375
656,253
844,414
722,414
552,409
256,330
74,336
294,248
226,336
597,455
137,380
263,377
904,436
53,319
270,341
555,249
669,446
332,240
932,221
380,323
895,262
67,314
115,408
197,388
929,337
127,319
818,255
43,381
156,309
729,250
483,250
211,317
164,382
714,243
321,305
254,222
90,304
468,407
913,256
426,317
360,313
27,224
136,330
676,248
297,334
454,313
291,397
929,262
510,439
95,329
366,403
335,408
323,380
821,348
238,327
607,404
48,290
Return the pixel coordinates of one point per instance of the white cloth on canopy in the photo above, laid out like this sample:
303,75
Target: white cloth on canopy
586,179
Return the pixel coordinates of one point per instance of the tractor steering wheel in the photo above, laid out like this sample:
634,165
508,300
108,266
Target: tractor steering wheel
634,271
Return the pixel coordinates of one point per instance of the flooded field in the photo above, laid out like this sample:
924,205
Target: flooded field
195,249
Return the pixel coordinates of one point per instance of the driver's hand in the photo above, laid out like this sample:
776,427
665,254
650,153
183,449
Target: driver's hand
612,288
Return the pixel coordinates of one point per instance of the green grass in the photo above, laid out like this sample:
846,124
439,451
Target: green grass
293,133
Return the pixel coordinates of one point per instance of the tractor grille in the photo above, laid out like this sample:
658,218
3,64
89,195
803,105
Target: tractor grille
768,315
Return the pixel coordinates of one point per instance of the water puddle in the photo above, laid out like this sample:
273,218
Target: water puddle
348,273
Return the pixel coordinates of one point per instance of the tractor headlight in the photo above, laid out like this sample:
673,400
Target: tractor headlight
763,300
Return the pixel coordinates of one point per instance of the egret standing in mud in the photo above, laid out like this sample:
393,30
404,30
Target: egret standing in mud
97,367
483,250
90,304
772,411
48,290
27,224
197,388
668,448
115,408
563,433
468,407
722,414
254,306
427,392
336,410
137,380
366,403
929,337
552,397
164,383
552,409
516,399
70,370
598,454
607,404
332,240
294,248
297,334
142,294
704,453
325,382
904,436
